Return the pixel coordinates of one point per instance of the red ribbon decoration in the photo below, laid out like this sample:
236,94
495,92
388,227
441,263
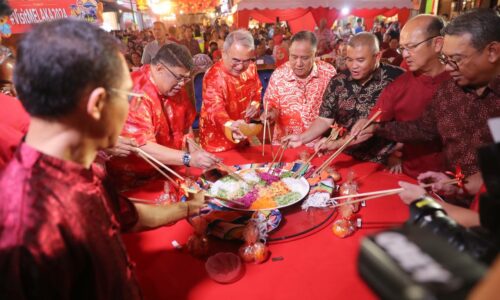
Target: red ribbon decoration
458,175
341,130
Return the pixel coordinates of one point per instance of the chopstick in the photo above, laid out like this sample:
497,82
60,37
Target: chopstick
145,155
327,162
279,154
265,125
333,135
382,193
158,169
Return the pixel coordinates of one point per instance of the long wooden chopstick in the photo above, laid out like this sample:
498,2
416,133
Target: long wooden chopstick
158,169
349,140
333,135
382,193
266,107
159,163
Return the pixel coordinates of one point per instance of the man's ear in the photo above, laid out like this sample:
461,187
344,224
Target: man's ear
95,103
493,52
438,44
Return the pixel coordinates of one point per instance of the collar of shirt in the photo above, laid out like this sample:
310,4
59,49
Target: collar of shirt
492,87
376,75
290,76
431,80
29,156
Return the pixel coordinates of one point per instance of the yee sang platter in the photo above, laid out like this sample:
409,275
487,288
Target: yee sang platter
260,190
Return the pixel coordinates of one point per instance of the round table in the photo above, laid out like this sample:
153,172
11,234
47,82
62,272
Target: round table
317,265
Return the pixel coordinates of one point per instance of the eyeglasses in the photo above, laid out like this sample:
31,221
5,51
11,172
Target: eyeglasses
246,62
445,60
130,95
179,78
412,47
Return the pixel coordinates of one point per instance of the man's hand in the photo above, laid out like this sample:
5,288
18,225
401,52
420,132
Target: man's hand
195,203
235,128
437,178
123,148
395,164
203,160
411,192
252,110
363,134
322,145
293,141
271,115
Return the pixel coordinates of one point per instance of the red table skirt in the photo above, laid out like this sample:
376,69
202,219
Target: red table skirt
316,266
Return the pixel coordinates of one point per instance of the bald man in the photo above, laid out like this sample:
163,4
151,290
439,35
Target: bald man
407,97
350,96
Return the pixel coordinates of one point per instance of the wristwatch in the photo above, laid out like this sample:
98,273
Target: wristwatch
186,159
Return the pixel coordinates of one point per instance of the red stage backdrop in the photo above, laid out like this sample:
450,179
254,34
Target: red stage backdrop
28,12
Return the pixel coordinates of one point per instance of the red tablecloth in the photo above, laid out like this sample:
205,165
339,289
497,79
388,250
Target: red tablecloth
317,266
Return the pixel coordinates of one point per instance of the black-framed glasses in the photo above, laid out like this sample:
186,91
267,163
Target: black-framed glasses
179,78
412,47
445,60
130,95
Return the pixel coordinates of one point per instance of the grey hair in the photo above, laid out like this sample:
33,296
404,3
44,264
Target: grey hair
365,39
240,36
482,24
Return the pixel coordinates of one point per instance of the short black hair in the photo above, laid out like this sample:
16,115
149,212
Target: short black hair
435,26
483,24
59,61
174,55
305,36
5,9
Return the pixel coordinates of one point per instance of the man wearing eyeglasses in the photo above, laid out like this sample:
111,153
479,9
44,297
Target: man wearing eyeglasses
407,97
159,119
231,94
459,110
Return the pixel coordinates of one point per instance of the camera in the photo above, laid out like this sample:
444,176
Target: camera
431,256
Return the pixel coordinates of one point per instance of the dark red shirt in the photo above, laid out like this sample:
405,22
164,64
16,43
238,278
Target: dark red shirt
405,100
457,116
392,56
14,122
60,232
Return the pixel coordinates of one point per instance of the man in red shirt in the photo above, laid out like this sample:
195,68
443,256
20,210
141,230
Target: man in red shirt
60,222
159,119
407,97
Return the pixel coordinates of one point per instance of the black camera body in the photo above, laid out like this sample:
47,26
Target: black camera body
431,256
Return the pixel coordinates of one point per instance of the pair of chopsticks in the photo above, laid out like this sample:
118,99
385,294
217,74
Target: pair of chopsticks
378,194
333,136
158,165
327,162
277,159
220,164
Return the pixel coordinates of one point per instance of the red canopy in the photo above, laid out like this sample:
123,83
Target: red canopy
306,14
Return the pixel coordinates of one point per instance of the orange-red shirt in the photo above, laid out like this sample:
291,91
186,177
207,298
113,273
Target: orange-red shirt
152,118
225,98
297,100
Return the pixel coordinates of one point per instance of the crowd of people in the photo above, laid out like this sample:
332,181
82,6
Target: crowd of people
72,147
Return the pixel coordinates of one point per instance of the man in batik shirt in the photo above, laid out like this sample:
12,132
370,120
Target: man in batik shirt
350,96
231,94
159,119
59,223
295,91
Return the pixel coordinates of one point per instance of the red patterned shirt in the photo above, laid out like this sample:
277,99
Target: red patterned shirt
60,232
225,98
457,116
151,118
297,100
